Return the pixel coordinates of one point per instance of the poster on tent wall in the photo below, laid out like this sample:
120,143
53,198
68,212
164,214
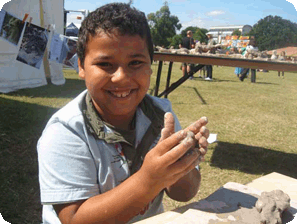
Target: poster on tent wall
11,28
33,45
63,50
71,51
2,16
15,74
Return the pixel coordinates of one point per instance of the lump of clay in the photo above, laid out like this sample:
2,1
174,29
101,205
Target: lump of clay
271,205
191,135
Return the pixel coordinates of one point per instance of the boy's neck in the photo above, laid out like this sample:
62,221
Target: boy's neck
121,122
118,121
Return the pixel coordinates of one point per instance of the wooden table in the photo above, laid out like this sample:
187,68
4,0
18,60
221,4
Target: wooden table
203,60
231,201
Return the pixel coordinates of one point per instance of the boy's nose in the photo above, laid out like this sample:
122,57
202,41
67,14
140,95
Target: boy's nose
120,74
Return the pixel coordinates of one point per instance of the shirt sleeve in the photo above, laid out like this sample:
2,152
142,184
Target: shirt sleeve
67,171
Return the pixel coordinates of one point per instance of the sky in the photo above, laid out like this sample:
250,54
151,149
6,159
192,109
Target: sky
200,13
203,14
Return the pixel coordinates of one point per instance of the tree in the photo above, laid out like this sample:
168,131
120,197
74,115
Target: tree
175,41
200,35
163,25
236,33
273,32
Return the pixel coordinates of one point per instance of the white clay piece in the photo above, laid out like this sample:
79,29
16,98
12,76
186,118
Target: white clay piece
271,205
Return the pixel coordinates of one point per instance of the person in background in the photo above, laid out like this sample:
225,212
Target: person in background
282,57
187,42
238,70
210,45
110,154
251,46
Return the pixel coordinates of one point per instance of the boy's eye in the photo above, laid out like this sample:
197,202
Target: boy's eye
104,64
135,63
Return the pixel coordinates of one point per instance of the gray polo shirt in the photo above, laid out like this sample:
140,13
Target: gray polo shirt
78,161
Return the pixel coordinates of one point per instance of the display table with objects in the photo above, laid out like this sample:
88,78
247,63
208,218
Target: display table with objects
233,203
212,59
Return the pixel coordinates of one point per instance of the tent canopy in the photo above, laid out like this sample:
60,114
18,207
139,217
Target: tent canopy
71,30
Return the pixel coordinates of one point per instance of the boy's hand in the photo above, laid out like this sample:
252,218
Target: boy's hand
166,162
198,128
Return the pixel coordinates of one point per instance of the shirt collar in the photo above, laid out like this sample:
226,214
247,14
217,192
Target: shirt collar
110,134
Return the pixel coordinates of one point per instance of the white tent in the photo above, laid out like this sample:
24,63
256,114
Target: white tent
16,75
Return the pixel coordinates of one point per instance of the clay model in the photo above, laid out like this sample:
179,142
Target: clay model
274,55
282,56
251,53
172,50
262,55
216,51
162,49
271,205
203,48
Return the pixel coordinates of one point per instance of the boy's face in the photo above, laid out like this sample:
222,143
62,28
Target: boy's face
117,73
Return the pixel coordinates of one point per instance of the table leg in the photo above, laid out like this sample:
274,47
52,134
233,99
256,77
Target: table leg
176,84
158,77
253,75
168,77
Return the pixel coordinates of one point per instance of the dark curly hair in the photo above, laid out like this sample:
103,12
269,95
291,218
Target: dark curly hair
110,17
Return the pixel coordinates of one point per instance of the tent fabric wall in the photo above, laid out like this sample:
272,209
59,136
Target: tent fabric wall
16,75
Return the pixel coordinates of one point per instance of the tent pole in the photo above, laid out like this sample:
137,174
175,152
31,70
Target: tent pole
45,59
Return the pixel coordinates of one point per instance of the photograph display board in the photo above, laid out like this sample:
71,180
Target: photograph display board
2,15
63,50
236,41
33,45
11,27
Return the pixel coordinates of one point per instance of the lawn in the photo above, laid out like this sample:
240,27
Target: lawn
255,123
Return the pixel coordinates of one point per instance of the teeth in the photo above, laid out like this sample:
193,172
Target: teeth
124,94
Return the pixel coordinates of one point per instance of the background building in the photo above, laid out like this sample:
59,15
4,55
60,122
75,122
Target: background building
222,31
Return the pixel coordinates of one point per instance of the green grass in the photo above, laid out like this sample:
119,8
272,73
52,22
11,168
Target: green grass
255,122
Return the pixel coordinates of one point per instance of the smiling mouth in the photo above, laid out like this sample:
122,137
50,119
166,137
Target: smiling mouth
120,94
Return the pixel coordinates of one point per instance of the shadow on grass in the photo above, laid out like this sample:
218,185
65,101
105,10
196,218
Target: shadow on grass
267,83
21,125
217,79
214,80
199,95
70,89
253,160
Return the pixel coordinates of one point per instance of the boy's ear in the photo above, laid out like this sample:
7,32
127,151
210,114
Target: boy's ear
81,71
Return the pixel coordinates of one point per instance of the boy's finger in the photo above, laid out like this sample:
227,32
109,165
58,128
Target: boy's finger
187,162
201,151
204,132
203,142
170,142
165,133
195,127
168,126
179,150
169,122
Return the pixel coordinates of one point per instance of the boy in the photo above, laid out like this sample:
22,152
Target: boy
102,158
